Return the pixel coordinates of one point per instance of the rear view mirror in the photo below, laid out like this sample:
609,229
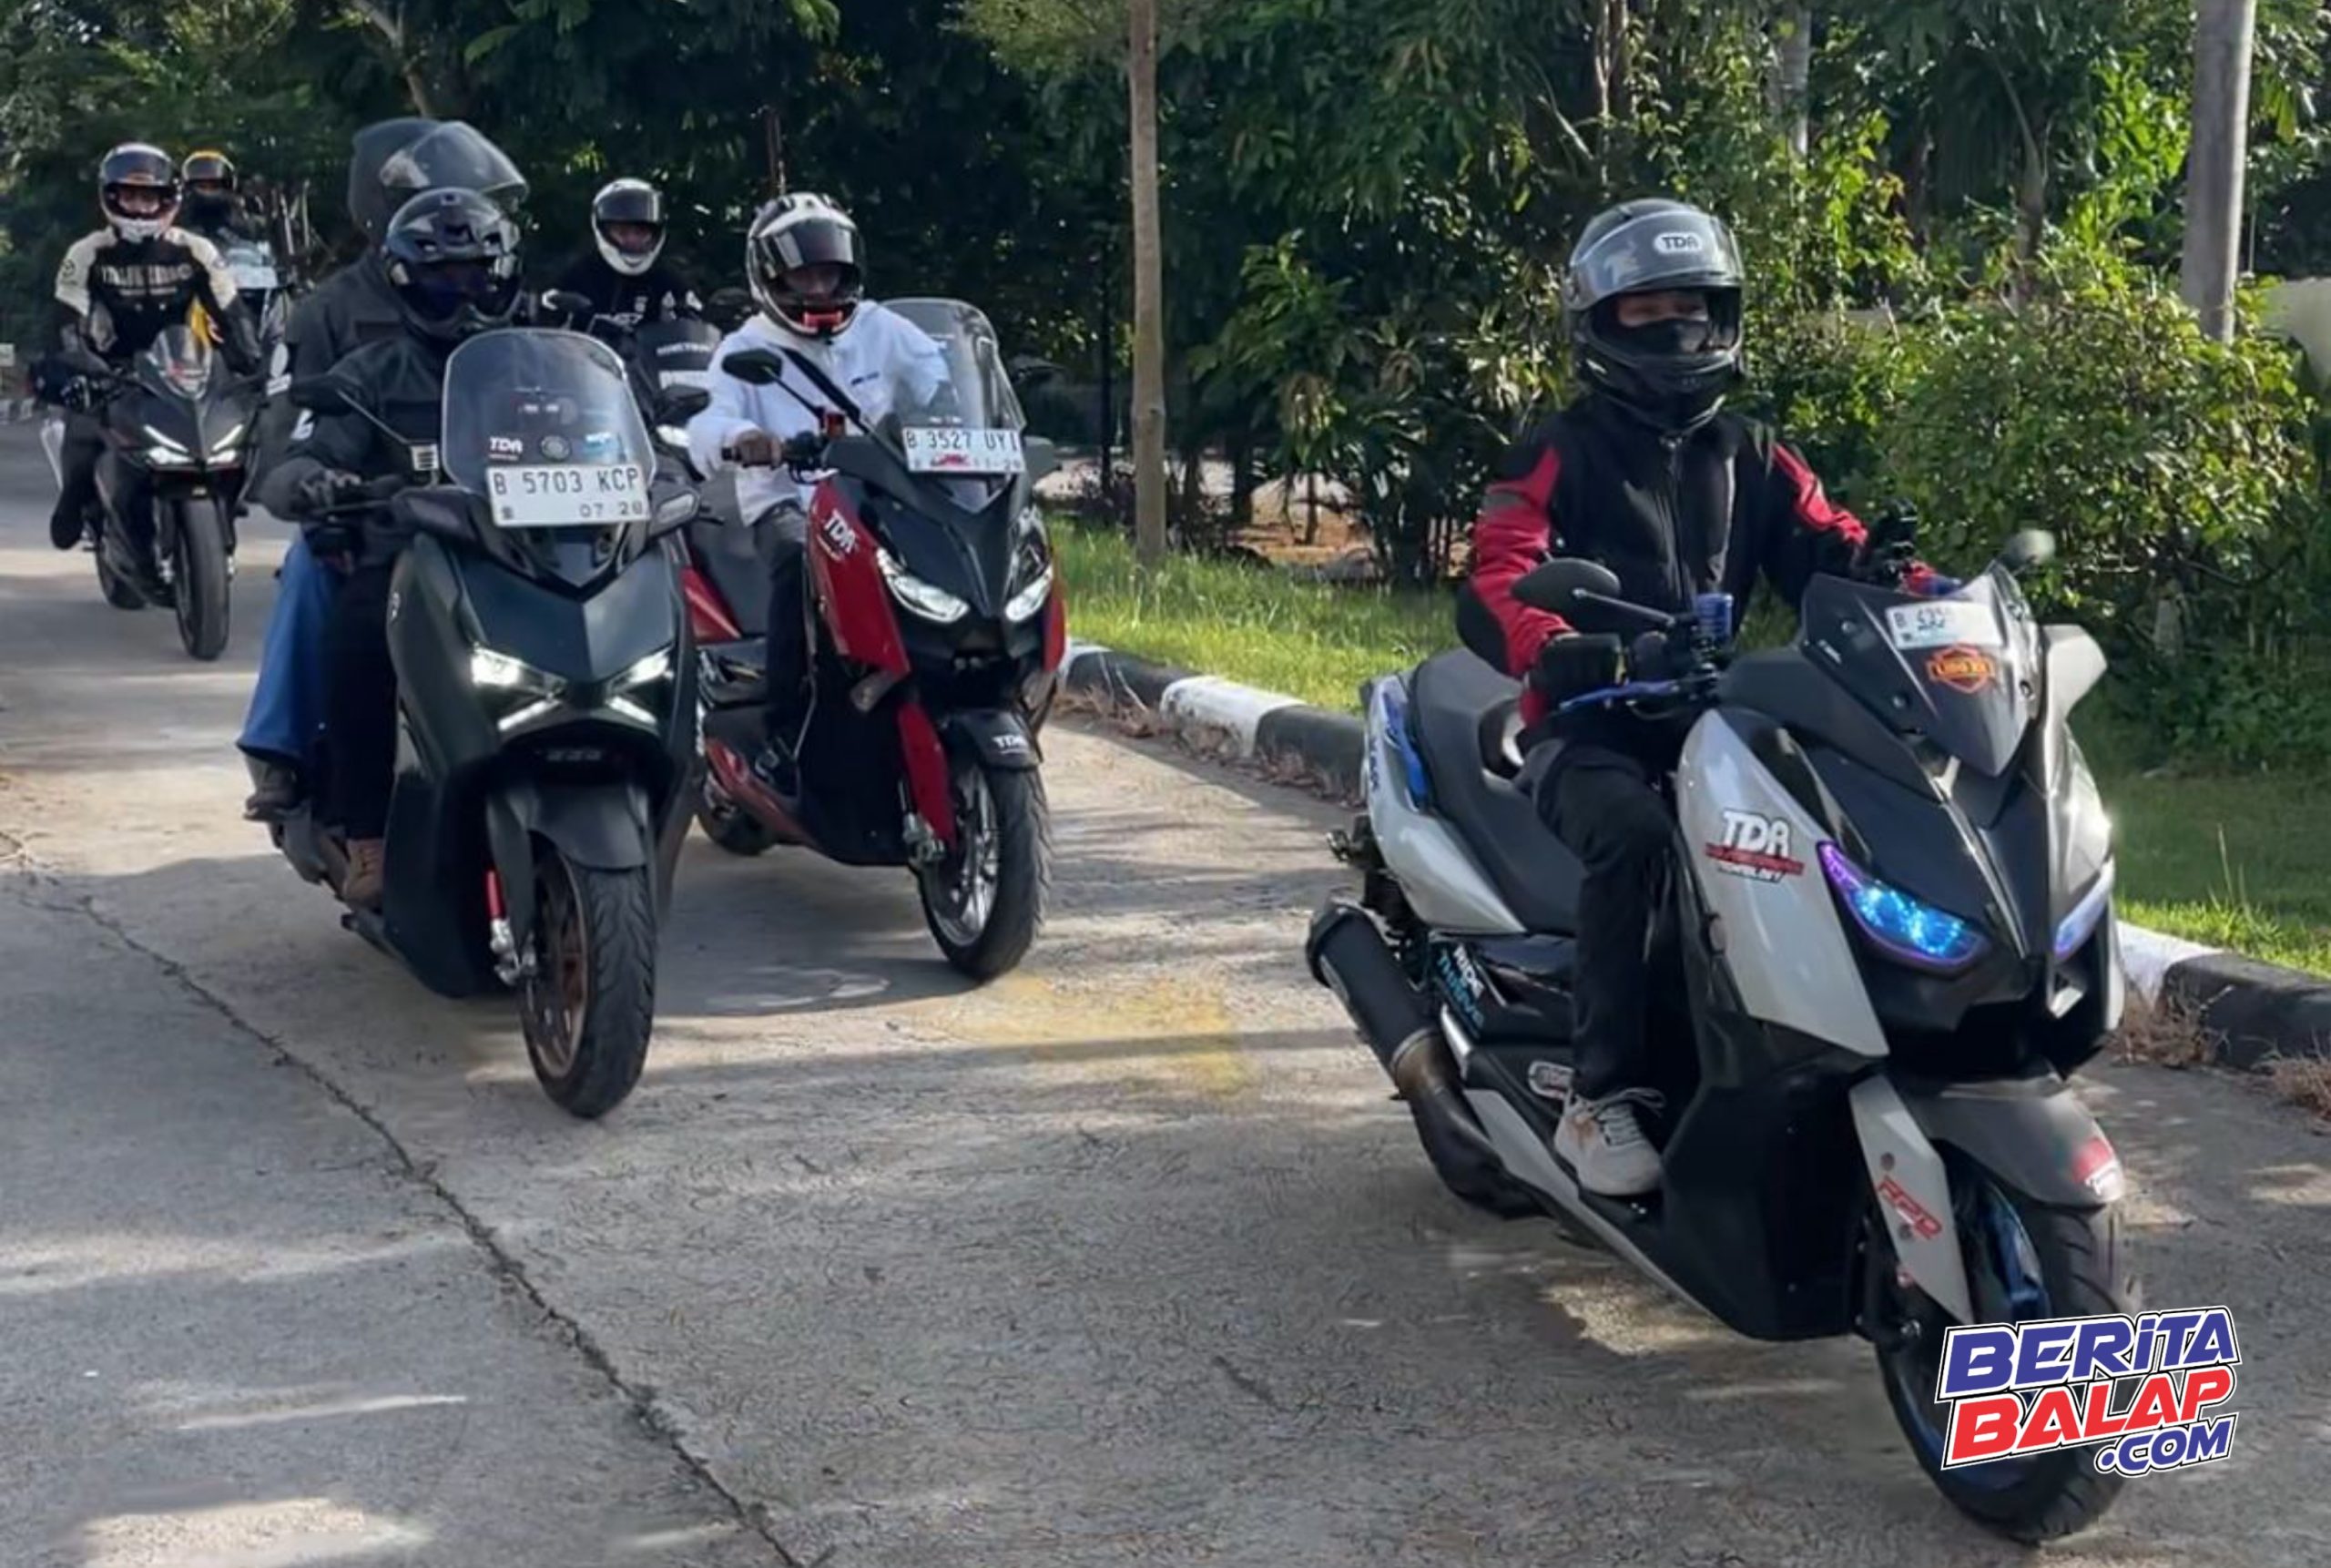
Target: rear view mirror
755,367
443,510
674,513
2032,547
1043,457
677,405
321,394
1556,586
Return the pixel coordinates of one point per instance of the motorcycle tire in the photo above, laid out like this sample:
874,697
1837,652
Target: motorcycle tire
202,583
589,1006
2081,1272
1005,810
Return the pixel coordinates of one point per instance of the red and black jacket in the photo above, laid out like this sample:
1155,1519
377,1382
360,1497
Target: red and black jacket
1707,511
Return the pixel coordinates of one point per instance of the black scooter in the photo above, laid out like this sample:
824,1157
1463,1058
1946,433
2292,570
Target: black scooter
546,705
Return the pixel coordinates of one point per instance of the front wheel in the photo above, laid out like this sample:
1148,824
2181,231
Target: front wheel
2025,1261
985,902
589,1003
201,580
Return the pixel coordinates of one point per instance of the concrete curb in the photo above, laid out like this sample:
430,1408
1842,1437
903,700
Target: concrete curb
2251,1012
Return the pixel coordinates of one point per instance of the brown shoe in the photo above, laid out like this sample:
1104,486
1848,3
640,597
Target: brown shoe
367,858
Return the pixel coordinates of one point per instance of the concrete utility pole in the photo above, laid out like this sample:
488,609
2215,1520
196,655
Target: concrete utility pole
2222,32
1148,304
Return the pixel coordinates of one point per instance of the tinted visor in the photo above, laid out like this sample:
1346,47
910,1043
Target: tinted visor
454,156
810,244
440,288
630,204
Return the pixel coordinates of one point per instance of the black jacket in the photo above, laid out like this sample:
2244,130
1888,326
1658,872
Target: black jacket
401,380
659,294
353,307
117,295
1712,510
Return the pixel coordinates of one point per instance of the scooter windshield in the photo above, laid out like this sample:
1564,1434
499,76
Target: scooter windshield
956,419
542,426
1959,669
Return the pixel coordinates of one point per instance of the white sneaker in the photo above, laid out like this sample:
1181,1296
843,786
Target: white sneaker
1604,1146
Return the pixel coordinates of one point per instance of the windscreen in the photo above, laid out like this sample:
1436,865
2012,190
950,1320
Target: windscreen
542,425
1959,669
178,362
958,420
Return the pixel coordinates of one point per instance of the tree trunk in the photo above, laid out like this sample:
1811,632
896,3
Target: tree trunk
1796,49
2031,195
1148,304
2223,30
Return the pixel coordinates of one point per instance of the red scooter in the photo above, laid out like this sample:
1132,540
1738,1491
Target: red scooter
936,631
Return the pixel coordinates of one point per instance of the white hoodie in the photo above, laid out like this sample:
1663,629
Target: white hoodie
880,351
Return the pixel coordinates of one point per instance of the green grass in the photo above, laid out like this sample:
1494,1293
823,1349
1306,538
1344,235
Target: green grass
2235,861
1315,641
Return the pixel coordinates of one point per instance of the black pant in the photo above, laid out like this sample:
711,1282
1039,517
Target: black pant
78,458
1600,801
789,627
360,704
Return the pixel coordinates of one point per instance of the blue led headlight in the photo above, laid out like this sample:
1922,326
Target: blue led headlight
2074,929
1903,928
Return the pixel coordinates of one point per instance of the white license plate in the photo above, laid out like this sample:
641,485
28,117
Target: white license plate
935,451
1940,623
568,495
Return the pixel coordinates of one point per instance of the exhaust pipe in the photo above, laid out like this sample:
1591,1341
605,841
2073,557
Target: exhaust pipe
1347,954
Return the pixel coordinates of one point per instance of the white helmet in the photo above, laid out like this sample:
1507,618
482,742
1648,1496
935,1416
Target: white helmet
628,201
805,230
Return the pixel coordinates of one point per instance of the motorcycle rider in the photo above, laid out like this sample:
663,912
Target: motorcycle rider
1646,473
213,207
118,289
805,263
451,260
392,161
624,275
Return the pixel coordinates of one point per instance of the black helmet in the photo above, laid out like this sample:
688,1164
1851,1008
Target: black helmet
805,230
453,258
209,179
1673,374
138,165
628,201
434,155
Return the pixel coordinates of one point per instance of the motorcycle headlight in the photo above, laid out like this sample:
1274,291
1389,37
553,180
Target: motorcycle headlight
166,452
1030,599
1903,928
2077,927
226,443
928,600
646,672
495,671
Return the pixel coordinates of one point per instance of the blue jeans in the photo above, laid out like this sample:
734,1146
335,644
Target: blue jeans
286,709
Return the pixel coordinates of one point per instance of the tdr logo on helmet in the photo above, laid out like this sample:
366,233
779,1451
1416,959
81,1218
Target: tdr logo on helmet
1681,242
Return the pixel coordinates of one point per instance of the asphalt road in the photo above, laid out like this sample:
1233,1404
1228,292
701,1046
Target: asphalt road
1125,1259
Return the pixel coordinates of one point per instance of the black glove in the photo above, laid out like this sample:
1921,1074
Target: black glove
320,490
1655,656
335,542
804,451
1570,665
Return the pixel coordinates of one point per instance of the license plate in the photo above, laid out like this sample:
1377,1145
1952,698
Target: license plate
1942,623
568,495
938,450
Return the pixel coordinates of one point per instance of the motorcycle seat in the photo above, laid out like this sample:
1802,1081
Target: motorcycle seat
1458,704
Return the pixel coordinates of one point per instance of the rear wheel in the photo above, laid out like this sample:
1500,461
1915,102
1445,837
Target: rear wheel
588,1006
2025,1260
199,545
985,901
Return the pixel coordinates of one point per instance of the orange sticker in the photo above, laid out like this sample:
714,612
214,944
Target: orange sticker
1963,669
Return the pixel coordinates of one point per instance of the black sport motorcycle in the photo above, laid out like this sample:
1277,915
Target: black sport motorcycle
546,706
177,432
